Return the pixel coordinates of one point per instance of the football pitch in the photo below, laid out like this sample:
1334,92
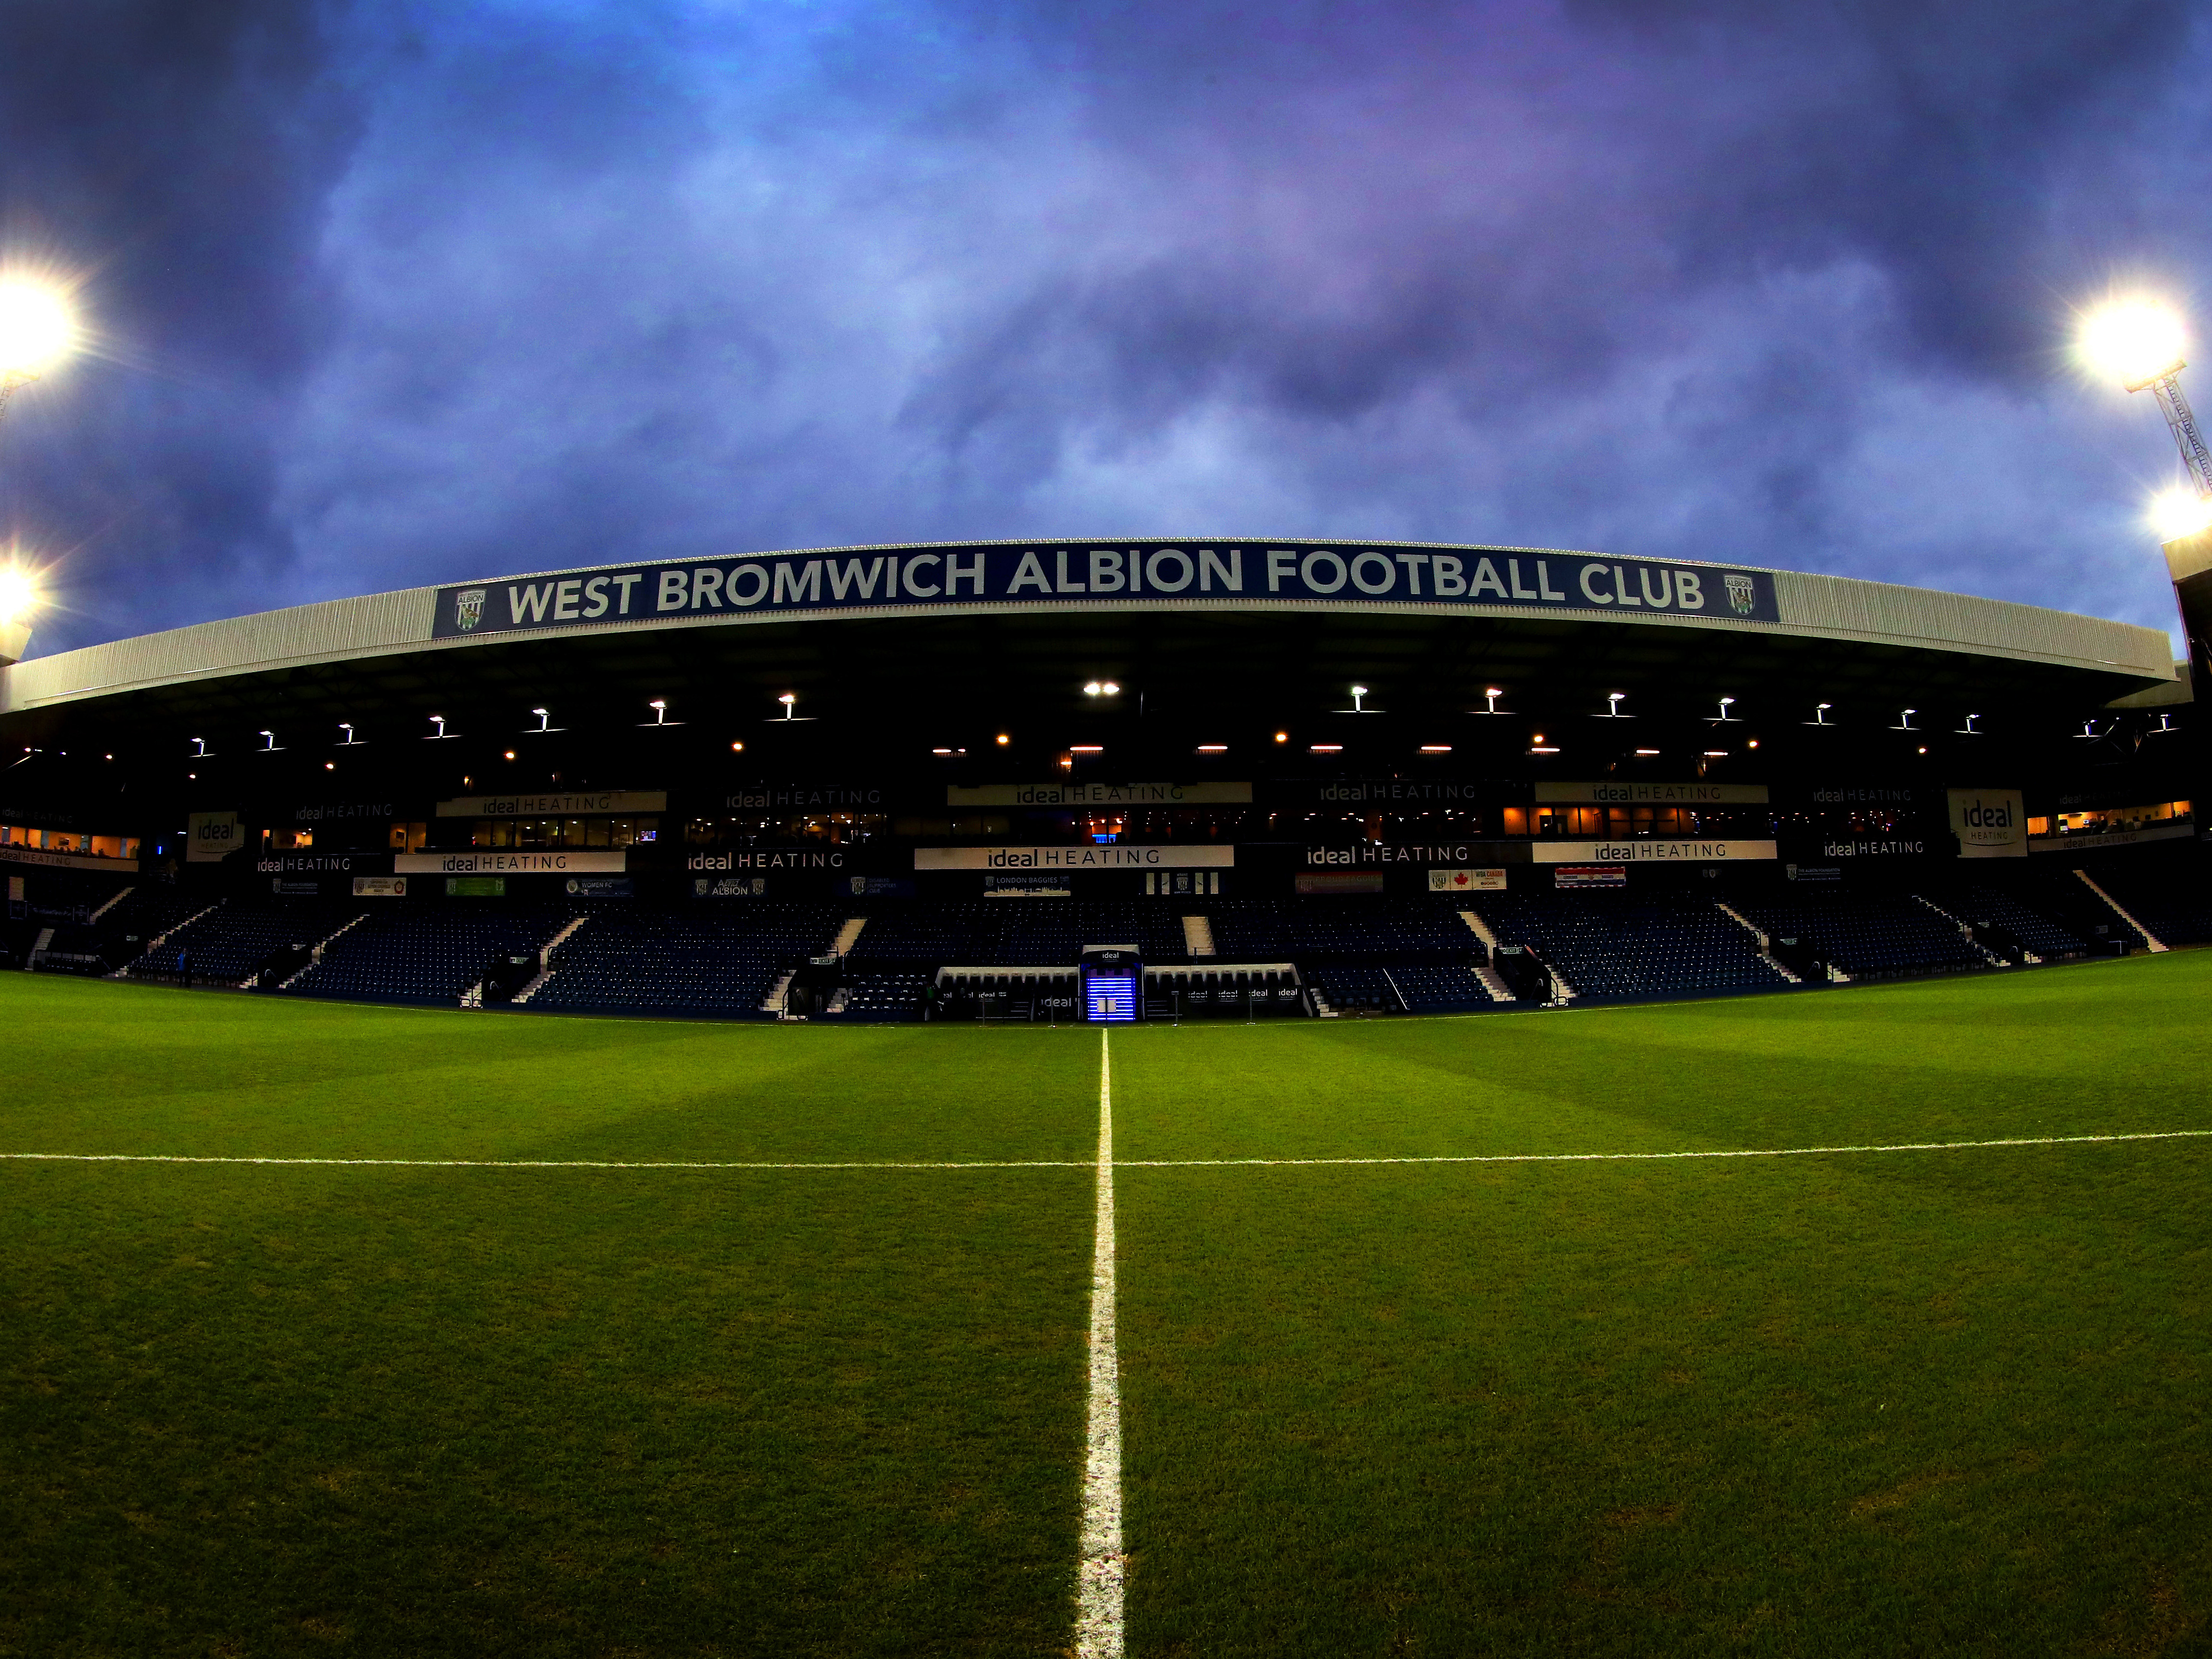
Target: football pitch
1877,1321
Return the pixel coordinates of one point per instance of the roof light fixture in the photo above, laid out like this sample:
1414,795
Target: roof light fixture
1214,749
1490,694
1613,701
1436,749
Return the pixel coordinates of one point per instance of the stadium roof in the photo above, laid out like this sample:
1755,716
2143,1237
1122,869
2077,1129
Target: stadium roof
1284,640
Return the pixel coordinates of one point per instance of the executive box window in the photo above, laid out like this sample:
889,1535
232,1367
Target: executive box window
524,834
1630,823
75,842
2112,820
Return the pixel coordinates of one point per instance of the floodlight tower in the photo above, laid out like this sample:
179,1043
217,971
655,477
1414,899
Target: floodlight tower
36,331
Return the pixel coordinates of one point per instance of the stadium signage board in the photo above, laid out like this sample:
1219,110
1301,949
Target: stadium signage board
317,863
330,811
1989,823
1386,790
379,887
1614,793
210,837
804,797
574,804
787,859
1467,881
1093,857
1650,852
1369,854
500,862
1573,876
922,578
15,854
1099,795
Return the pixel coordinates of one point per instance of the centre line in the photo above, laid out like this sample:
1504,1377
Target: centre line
1102,1571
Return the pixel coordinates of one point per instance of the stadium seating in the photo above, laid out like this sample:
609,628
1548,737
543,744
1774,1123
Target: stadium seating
1867,932
231,940
719,962
1625,942
403,950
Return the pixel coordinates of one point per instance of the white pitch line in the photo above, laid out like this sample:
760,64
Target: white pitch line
1105,1163
524,1163
1101,1570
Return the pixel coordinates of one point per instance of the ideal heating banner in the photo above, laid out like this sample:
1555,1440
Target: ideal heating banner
1989,823
1073,858
1648,851
1354,574
211,836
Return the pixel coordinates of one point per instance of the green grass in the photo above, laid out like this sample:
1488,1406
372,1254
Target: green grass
1929,1402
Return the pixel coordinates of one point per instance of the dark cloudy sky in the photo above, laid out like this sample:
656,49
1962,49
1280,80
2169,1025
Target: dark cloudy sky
402,293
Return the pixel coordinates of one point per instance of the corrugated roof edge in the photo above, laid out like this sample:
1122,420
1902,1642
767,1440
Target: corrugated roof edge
379,624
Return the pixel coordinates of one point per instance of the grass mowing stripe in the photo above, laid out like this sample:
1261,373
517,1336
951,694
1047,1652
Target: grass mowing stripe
1651,1158
1102,1569
526,1162
1105,1163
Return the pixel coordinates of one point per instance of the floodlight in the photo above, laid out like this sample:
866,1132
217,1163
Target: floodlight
1111,689
2134,342
1613,701
510,754
1491,694
1436,749
36,329
2180,512
1282,736
330,766
1214,749
1357,692
788,698
1647,751
1092,689
19,594
1004,740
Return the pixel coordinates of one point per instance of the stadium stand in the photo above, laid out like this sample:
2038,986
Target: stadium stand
1869,932
406,952
1627,944
722,963
230,941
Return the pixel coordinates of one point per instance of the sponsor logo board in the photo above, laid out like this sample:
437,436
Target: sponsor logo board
379,887
1989,823
1607,792
499,862
1099,795
1073,858
1338,881
67,861
1576,875
572,804
729,887
1364,853
767,859
210,836
600,887
1045,575
1467,881
1650,852
476,887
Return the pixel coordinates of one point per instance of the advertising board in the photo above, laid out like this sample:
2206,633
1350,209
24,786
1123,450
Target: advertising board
490,861
476,887
1611,792
379,887
1301,576
212,836
1338,881
1989,823
1648,851
555,804
1073,793
1467,881
1572,875
1071,859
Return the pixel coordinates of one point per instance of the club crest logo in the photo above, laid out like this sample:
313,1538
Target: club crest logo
468,608
1743,594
